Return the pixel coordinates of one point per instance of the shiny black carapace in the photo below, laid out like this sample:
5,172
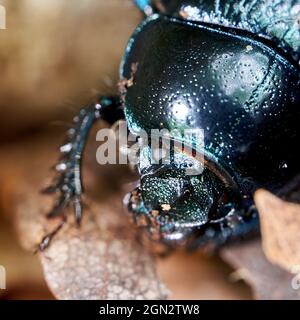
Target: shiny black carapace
230,68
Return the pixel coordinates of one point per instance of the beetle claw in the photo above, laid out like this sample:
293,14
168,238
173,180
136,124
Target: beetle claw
49,190
45,242
59,206
77,209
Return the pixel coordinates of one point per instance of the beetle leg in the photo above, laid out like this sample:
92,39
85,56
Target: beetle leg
235,226
68,183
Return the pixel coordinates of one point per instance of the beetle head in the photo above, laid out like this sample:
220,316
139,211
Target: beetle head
173,203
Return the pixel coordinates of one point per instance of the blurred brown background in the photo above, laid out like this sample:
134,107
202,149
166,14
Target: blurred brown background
55,56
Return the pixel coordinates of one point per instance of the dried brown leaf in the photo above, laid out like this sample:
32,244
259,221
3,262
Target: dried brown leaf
104,259
268,281
280,225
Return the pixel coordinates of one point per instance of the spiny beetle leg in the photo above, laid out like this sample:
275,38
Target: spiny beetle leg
68,183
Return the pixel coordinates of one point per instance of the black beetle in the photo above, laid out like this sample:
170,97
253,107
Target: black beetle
228,67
